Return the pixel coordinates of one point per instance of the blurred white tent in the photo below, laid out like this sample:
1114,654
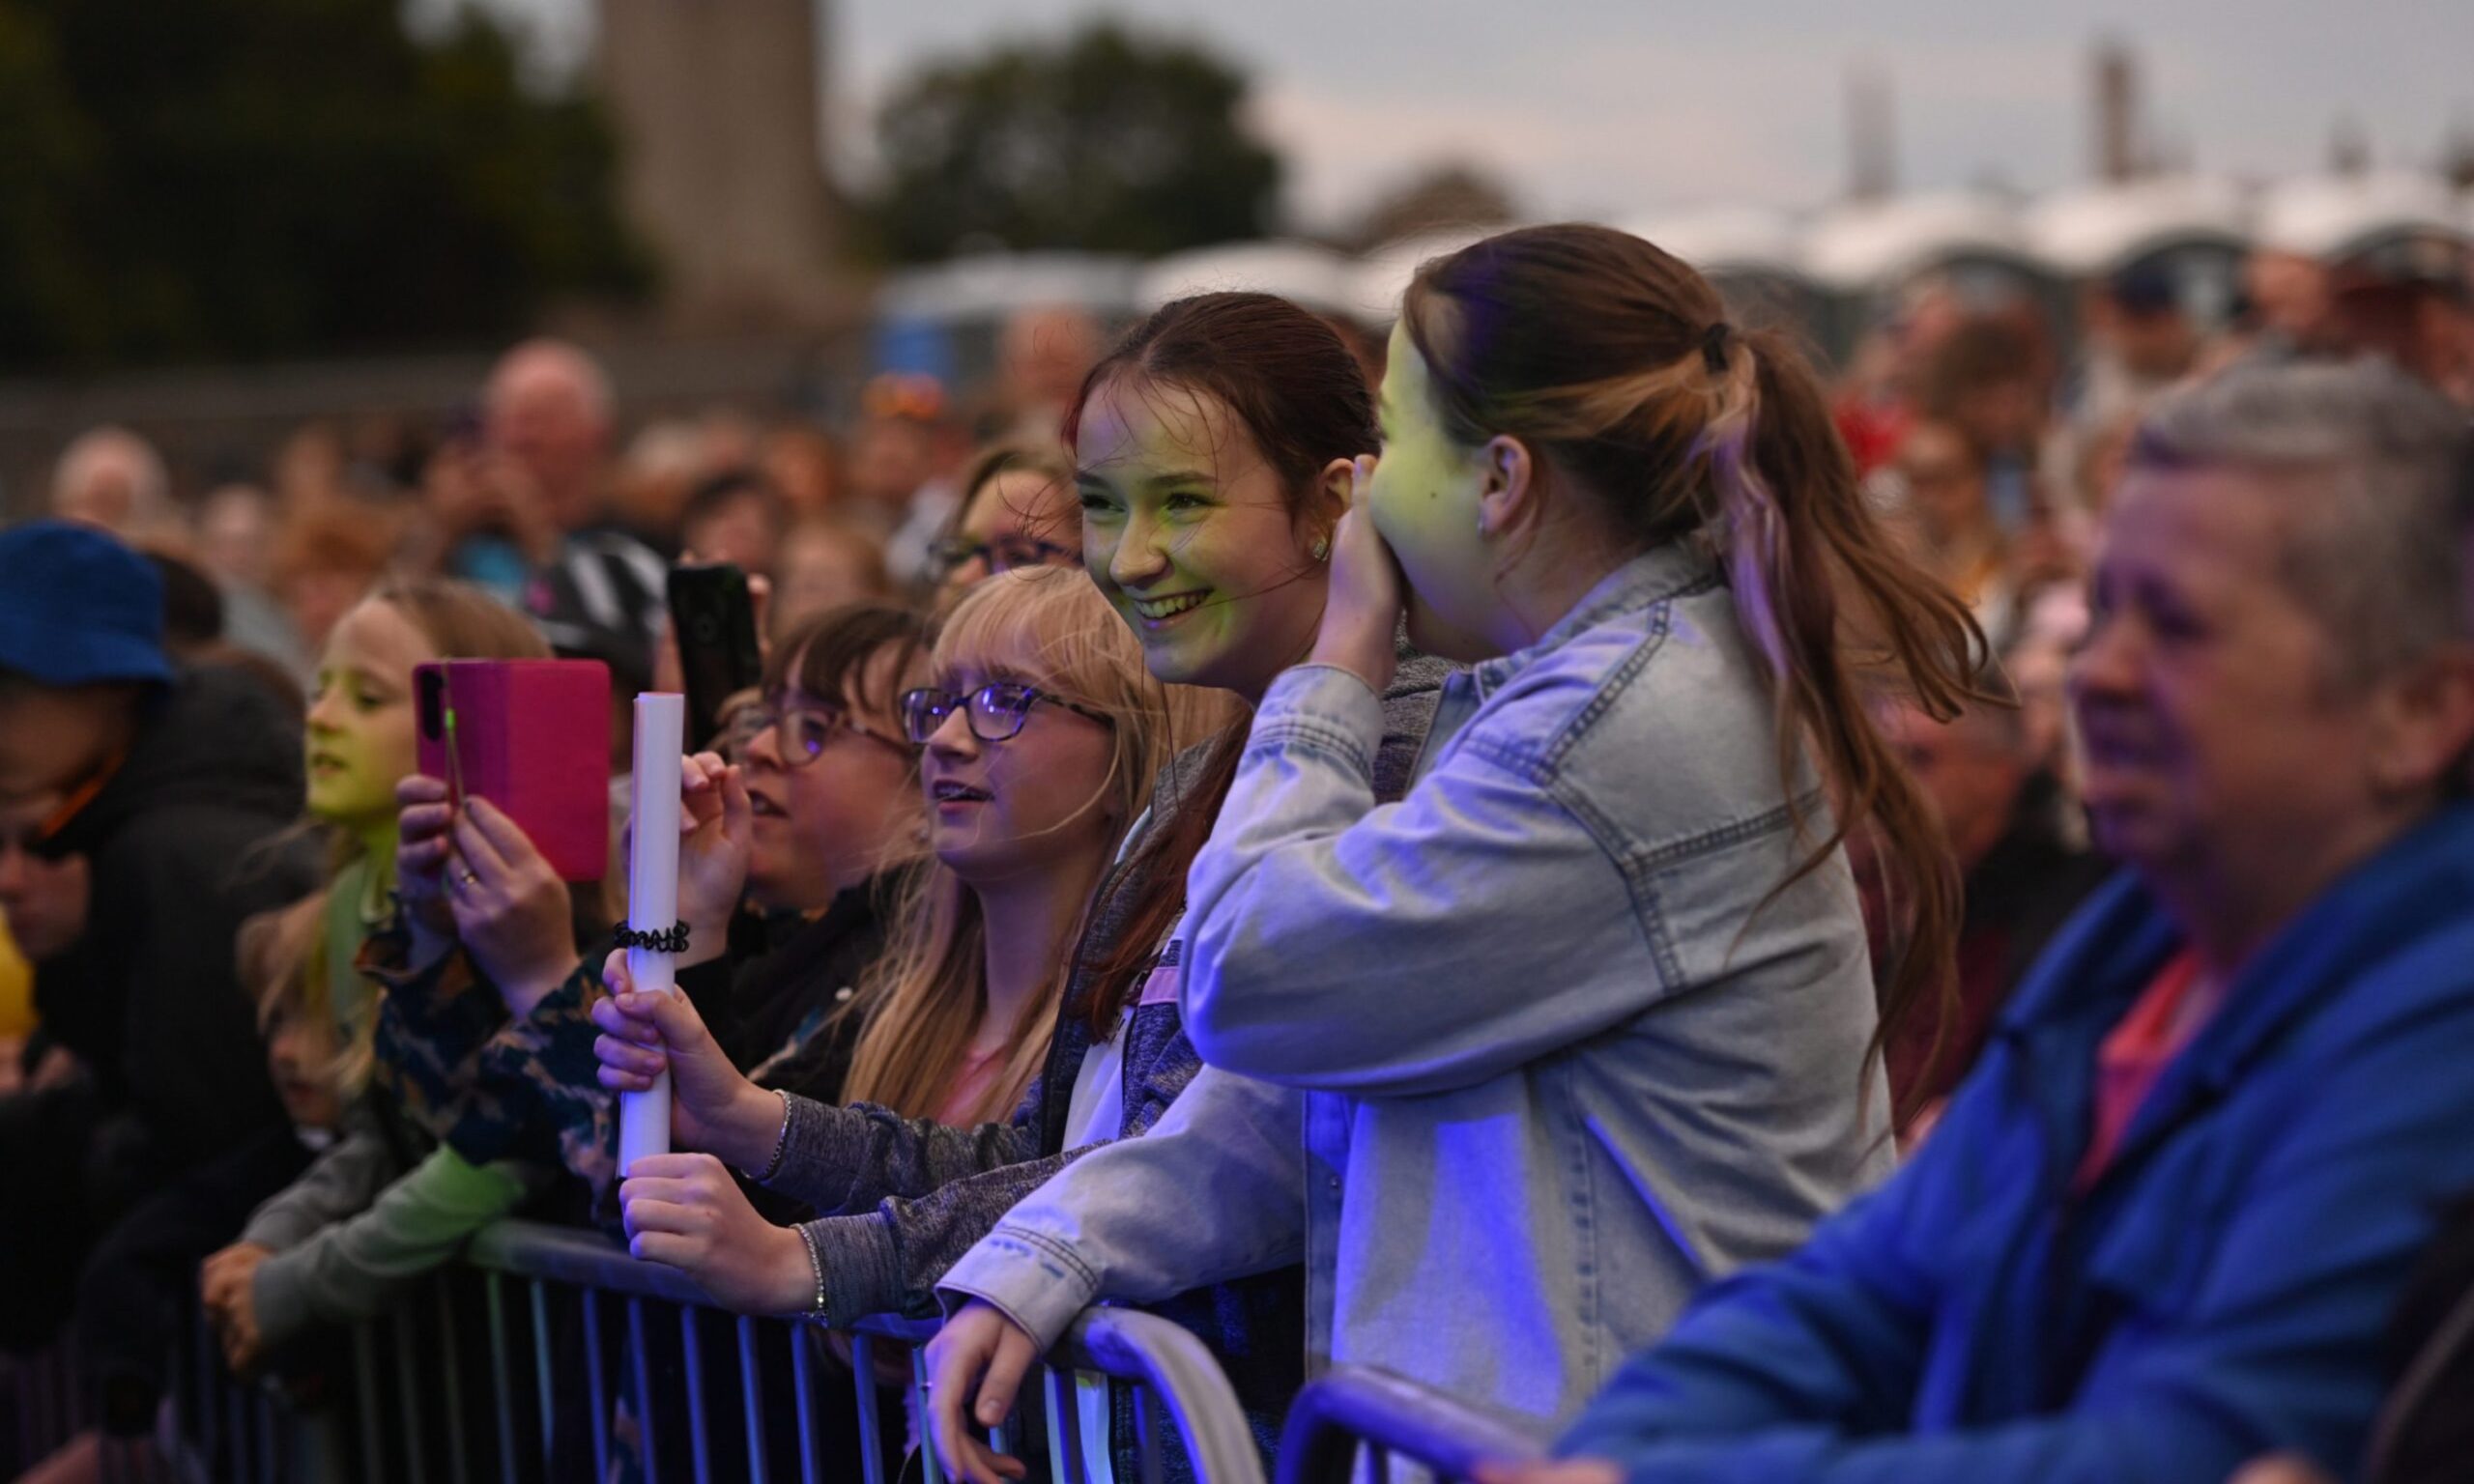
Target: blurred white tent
1382,276
1315,276
990,286
2098,229
1727,239
1877,245
2333,217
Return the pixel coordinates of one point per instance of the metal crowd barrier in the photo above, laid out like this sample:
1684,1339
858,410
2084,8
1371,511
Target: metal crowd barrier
550,1353
1357,1423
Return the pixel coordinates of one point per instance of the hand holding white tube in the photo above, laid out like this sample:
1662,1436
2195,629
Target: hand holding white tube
652,900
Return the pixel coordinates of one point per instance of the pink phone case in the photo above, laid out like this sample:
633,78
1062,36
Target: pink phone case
533,737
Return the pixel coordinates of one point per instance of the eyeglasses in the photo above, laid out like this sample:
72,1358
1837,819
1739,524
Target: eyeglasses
994,712
800,733
1006,554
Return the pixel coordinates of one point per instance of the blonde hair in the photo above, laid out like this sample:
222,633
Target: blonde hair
279,955
928,992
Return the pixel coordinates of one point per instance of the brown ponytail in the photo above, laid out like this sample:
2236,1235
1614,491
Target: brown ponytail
1616,362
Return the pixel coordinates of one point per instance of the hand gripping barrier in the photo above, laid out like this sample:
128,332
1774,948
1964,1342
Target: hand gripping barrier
629,1366
1359,1414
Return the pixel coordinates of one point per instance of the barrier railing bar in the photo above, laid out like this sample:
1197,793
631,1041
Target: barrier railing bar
1169,1367
238,1433
1172,1362
414,1453
1356,1405
803,1393
698,1442
599,1421
209,1406
1056,1400
540,1299
750,1399
364,1364
863,1378
271,1457
453,1356
1146,1432
501,1387
642,1362
932,1469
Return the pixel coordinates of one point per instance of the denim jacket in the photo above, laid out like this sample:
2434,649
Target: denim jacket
1516,1063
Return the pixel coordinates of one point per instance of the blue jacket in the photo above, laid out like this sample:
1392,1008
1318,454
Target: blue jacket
2219,1293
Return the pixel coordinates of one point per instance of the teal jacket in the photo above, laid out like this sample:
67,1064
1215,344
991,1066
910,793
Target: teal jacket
2219,1293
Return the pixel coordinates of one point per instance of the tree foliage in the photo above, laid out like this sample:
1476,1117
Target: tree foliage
248,178
1107,141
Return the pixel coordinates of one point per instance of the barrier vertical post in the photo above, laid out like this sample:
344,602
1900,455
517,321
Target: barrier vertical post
652,900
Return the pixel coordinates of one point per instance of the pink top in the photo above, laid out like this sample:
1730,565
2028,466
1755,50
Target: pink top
2136,1052
970,1085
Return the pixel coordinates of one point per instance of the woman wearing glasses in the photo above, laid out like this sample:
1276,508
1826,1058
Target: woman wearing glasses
1039,740
1018,509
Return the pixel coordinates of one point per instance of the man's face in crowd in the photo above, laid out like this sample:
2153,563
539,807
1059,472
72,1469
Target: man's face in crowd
53,737
2213,703
542,415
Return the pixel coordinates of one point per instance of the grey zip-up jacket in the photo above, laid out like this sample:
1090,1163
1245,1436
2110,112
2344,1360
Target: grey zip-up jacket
1515,1065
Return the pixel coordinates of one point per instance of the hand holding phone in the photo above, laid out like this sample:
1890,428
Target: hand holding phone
532,736
712,618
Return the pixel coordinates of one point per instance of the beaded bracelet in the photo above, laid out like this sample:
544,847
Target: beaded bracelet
781,1144
816,1265
671,940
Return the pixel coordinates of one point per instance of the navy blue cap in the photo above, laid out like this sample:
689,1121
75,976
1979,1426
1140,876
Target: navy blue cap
79,607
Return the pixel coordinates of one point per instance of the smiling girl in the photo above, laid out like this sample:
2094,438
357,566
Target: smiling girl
1585,1019
1212,448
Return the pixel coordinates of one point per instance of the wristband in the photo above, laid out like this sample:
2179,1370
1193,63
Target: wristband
781,1144
671,941
816,1265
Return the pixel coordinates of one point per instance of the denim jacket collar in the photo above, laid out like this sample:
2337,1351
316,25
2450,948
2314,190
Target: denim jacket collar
1662,572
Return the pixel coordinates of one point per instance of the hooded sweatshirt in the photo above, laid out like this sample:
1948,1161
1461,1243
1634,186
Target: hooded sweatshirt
182,844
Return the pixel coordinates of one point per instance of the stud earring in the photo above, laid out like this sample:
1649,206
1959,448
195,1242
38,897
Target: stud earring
1322,548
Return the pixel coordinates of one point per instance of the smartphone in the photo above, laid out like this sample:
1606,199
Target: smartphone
713,616
533,737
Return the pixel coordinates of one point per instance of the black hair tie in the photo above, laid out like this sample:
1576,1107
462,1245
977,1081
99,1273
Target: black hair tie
671,940
1713,347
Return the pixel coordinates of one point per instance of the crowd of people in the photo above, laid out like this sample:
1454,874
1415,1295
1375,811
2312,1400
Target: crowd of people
1910,928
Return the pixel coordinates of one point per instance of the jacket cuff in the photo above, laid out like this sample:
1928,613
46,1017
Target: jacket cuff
1030,1278
820,1152
280,1297
862,1266
1322,709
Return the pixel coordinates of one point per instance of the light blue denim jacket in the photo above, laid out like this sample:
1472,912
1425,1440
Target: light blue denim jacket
1516,1063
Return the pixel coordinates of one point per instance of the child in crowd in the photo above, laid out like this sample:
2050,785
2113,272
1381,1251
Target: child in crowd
128,1296
1227,496
1521,1061
382,1204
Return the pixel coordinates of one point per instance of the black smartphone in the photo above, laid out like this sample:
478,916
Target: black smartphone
713,616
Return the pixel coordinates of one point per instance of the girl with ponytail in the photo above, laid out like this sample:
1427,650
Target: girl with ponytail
1586,1018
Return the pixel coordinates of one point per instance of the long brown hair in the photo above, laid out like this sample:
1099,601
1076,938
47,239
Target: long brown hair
1615,361
930,989
1291,383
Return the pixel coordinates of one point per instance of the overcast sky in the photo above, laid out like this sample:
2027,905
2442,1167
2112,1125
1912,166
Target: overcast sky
1614,106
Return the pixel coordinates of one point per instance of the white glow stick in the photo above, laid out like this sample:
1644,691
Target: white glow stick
652,898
